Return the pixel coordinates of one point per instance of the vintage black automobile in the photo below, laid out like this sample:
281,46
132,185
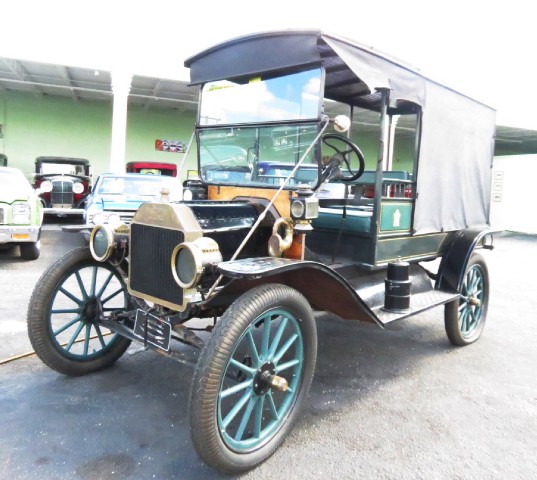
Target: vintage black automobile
409,207
64,182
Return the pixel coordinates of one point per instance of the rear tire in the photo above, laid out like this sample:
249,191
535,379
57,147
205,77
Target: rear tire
237,419
63,312
465,318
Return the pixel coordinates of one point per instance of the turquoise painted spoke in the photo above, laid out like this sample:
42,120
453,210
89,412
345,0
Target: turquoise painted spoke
462,306
272,406
259,416
74,337
286,365
277,337
93,281
105,284
244,368
81,285
111,296
66,310
237,388
462,319
246,417
266,338
87,338
253,348
473,318
66,326
100,335
285,347
465,320
71,296
236,409
248,420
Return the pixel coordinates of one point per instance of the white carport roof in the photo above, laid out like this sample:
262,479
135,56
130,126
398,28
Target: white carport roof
84,84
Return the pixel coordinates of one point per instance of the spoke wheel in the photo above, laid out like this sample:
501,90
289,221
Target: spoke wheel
465,318
63,311
252,377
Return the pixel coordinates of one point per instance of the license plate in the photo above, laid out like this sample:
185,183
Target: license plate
152,330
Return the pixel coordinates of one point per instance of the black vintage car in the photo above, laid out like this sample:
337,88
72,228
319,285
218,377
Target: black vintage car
64,182
406,163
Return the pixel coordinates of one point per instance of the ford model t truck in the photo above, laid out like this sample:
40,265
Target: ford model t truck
330,175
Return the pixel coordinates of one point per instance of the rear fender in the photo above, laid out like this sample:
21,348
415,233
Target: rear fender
455,260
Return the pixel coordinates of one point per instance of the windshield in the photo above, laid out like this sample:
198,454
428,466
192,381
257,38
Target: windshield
138,186
261,156
14,182
62,168
291,97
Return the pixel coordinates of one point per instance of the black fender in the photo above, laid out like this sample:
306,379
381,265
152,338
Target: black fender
324,288
455,259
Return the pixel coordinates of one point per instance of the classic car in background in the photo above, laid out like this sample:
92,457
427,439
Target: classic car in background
64,184
154,168
116,197
21,213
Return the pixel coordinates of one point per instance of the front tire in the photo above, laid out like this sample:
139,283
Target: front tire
30,250
237,418
465,319
64,307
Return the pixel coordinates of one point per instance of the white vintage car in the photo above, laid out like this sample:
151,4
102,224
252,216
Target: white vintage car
21,213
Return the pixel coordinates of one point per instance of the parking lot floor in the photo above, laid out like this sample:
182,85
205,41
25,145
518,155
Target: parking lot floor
399,403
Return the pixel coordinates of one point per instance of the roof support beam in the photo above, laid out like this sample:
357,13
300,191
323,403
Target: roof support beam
16,67
67,80
154,93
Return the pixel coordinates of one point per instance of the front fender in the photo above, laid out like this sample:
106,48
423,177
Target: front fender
324,288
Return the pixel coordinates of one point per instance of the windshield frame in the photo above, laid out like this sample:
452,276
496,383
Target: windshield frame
315,154
269,80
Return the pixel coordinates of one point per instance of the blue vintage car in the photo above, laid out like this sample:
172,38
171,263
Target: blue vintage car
116,197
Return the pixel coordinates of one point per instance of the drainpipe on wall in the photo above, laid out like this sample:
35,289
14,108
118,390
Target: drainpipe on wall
121,86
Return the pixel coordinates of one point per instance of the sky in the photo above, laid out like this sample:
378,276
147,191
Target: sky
484,49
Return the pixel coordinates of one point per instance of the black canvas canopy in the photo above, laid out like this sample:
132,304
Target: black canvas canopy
457,132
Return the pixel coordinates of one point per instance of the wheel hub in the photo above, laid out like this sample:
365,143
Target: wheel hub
265,379
92,310
474,301
262,378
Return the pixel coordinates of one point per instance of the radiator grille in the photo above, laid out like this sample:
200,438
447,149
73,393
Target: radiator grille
62,193
150,262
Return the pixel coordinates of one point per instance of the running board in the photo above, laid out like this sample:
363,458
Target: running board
419,302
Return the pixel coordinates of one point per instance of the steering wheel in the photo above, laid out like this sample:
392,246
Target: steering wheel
344,155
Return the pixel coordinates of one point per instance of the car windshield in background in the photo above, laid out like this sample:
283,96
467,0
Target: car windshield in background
291,97
262,156
140,186
14,182
65,168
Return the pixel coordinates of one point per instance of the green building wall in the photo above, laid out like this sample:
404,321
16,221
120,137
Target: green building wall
43,125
